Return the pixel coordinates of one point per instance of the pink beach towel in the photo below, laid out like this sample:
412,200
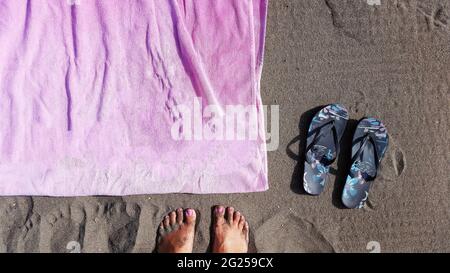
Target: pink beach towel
101,97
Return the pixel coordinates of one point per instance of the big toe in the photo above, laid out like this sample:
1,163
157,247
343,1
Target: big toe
190,216
219,215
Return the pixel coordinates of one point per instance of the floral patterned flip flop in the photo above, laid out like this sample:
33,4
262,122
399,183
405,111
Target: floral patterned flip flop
322,147
370,143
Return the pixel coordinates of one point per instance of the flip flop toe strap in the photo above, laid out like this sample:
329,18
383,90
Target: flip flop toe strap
323,156
368,137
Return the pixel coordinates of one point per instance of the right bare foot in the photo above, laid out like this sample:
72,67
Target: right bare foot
176,232
230,231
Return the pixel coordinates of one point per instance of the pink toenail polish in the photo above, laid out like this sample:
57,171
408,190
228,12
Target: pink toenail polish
219,209
190,212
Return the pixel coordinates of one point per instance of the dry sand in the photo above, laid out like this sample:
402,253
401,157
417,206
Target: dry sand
390,61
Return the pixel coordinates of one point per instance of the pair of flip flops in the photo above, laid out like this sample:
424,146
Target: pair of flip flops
370,142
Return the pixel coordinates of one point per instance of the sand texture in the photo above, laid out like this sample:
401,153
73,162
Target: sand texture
390,61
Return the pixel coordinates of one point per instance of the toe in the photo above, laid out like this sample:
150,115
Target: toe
190,216
246,230
236,217
219,213
241,223
173,218
179,216
166,222
229,215
161,228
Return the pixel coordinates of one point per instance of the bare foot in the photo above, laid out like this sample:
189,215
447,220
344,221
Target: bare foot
176,232
230,231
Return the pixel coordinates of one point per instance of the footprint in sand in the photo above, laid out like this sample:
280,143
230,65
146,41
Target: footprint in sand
394,163
28,241
365,21
360,104
17,224
111,227
392,168
293,234
437,14
60,228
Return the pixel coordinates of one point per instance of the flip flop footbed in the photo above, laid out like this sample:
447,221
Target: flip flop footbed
370,143
325,132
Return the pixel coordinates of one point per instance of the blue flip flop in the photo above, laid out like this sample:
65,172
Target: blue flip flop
322,147
369,145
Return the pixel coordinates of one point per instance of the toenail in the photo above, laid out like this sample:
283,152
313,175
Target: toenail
219,209
190,212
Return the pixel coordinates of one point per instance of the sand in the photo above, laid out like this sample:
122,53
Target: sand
390,61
